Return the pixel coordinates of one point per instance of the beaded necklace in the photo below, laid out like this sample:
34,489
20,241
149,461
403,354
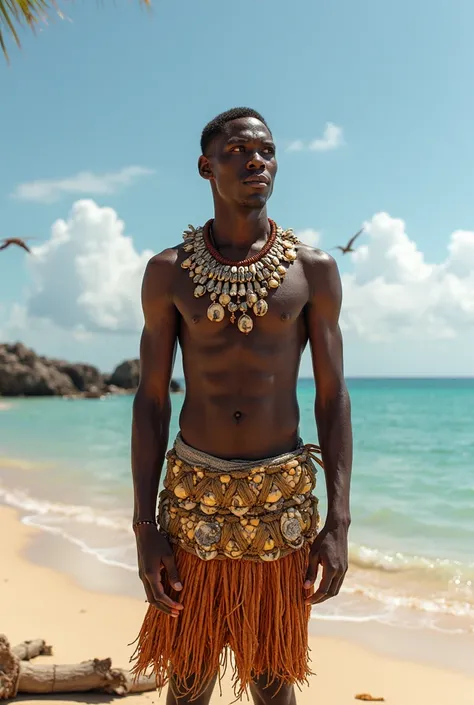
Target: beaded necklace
238,286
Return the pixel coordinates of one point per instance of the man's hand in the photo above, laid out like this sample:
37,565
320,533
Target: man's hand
154,555
328,550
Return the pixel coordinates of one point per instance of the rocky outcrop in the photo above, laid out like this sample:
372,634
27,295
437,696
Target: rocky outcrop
23,373
86,378
126,375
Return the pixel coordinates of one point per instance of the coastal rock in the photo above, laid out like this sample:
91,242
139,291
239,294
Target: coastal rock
23,373
86,378
126,375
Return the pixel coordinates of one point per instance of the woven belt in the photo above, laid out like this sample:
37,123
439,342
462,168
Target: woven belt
239,509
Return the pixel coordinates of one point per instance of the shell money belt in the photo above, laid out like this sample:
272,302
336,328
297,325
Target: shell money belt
240,287
260,513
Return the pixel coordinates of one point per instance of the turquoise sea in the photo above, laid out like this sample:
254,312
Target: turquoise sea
65,465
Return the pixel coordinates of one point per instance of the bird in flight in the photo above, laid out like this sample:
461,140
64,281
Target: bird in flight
348,248
14,241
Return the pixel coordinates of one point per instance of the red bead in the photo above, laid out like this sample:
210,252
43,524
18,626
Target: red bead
243,263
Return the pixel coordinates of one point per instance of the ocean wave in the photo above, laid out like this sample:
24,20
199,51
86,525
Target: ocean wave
81,514
104,555
375,559
117,548
433,605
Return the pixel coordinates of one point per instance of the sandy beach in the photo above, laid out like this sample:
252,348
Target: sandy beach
37,601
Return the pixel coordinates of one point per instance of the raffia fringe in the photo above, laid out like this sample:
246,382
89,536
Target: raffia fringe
256,609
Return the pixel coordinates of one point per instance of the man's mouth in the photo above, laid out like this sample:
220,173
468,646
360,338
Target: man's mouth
260,181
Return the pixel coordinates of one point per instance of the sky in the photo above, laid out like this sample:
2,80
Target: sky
371,105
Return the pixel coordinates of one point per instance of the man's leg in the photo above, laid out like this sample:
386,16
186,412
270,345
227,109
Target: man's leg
273,694
175,699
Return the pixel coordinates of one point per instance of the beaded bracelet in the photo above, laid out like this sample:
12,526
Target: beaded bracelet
144,521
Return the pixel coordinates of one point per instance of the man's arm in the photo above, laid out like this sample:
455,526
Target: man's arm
333,419
150,424
152,404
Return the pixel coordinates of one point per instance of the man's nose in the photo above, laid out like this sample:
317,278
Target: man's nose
256,161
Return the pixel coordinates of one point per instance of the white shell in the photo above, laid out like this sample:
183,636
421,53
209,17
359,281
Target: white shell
232,550
291,525
205,555
260,308
207,533
207,510
237,506
245,323
275,506
215,313
209,499
274,495
273,556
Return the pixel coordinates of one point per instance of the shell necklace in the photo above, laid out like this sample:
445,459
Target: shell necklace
238,286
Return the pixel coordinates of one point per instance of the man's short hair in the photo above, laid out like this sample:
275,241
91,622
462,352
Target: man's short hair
216,126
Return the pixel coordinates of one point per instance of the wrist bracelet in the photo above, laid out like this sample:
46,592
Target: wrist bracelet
144,521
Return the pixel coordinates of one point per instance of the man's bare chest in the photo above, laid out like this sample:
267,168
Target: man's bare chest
284,305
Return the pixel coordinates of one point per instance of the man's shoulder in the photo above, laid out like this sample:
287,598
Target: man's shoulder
321,273
315,260
160,272
166,260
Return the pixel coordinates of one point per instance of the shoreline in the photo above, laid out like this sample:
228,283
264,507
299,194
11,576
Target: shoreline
445,650
82,624
85,555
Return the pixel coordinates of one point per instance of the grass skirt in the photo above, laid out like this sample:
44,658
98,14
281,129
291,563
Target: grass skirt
255,609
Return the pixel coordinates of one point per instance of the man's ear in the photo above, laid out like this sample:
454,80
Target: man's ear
204,168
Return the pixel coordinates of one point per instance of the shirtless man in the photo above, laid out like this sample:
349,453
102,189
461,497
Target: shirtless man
240,403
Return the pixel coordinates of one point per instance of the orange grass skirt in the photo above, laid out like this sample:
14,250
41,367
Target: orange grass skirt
254,608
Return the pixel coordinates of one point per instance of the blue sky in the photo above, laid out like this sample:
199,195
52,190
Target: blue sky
119,96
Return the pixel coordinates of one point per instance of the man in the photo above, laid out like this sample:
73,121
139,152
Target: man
237,553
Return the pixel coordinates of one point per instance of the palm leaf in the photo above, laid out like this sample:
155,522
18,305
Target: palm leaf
17,13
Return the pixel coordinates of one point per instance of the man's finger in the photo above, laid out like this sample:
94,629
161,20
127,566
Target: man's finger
159,594
312,572
171,569
324,586
159,605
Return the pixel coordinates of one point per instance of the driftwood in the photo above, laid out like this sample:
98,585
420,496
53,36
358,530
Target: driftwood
30,649
19,676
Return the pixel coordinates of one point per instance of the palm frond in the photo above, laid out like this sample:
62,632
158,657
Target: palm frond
17,13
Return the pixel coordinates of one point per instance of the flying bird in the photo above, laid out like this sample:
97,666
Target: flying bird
348,247
14,241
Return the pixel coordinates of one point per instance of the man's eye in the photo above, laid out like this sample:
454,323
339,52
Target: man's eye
269,150
238,148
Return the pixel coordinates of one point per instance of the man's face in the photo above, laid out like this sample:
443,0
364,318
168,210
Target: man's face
241,163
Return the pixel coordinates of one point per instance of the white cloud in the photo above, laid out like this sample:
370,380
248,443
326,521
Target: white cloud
85,182
87,279
333,137
87,276
309,236
393,293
